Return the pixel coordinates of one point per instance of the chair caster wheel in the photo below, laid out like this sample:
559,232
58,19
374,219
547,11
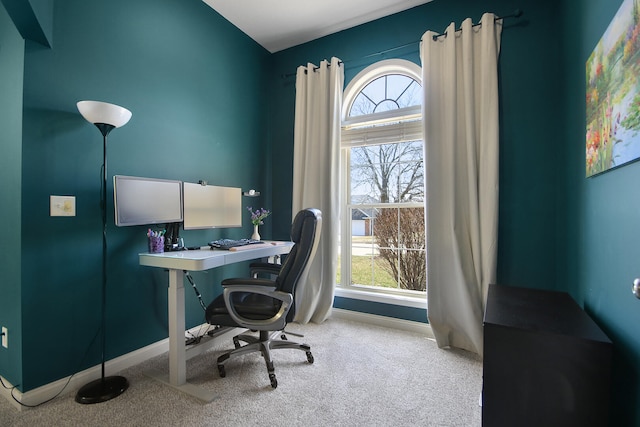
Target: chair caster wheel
221,371
274,382
309,357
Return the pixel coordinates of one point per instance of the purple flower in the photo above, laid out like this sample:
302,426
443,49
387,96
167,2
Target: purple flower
258,215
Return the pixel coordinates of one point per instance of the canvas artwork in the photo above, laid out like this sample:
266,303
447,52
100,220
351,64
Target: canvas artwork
613,93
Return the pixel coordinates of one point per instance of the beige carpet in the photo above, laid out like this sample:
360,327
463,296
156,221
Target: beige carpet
362,375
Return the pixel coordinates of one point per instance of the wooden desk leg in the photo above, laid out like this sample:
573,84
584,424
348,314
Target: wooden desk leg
177,347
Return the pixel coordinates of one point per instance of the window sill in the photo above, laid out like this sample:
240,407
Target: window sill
401,300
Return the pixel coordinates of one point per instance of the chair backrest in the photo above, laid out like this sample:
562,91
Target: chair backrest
305,234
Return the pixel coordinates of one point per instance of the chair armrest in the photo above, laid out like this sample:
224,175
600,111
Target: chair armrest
275,323
264,267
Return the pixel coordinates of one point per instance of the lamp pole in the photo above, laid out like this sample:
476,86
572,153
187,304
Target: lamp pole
104,129
102,115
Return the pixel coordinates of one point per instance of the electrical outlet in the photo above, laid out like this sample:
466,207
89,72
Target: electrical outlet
5,337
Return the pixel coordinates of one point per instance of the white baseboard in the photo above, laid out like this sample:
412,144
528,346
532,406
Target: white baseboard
388,322
77,380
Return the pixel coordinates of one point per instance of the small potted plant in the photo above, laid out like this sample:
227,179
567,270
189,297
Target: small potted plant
257,218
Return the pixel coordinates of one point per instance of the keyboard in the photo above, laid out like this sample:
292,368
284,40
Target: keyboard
230,243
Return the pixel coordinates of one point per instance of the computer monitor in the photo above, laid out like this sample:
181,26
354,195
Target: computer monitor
210,206
146,201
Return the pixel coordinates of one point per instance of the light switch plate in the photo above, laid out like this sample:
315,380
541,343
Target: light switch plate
62,205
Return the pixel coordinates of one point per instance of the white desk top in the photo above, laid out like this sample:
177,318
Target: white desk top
204,259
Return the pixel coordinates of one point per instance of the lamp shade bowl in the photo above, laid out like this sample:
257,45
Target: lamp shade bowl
98,112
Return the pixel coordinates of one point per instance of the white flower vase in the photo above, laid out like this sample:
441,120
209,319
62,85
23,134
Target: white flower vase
255,235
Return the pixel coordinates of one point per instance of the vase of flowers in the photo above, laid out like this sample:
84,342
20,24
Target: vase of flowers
257,218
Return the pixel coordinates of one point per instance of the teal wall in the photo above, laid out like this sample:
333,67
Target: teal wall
195,85
557,230
603,219
32,18
530,198
11,71
208,103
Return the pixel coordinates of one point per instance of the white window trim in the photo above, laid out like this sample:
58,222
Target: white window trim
381,297
407,113
354,138
372,72
396,132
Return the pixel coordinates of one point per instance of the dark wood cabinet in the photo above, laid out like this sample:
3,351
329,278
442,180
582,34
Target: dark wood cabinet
546,362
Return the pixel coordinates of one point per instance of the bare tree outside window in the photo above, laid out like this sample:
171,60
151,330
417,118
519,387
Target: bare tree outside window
393,174
387,190
389,173
401,240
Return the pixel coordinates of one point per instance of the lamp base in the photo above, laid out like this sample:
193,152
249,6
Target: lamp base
102,389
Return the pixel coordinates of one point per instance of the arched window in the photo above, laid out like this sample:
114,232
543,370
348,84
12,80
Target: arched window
382,224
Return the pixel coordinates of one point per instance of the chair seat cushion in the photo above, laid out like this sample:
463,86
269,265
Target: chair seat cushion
249,305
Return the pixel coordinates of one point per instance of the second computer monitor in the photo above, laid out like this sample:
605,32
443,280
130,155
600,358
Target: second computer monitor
210,206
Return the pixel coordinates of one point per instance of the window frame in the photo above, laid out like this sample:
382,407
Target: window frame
414,115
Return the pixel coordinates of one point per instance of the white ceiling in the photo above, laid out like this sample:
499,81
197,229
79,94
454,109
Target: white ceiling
280,24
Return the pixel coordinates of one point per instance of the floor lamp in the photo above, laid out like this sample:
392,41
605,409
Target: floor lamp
105,117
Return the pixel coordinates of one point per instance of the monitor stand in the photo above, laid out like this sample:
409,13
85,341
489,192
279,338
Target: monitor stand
172,240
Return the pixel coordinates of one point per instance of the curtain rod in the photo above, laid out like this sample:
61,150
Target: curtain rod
516,14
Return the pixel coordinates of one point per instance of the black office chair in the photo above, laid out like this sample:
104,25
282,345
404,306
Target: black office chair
265,305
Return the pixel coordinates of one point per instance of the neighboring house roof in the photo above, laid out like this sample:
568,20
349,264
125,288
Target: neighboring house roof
358,214
361,214
364,213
